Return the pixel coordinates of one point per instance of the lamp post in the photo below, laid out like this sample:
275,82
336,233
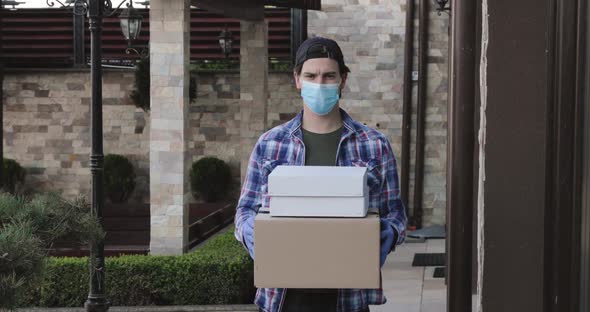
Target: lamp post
97,300
95,10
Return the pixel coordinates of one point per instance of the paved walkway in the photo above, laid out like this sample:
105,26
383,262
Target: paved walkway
412,289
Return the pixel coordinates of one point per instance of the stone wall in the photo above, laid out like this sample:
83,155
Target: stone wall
371,34
47,123
47,128
215,114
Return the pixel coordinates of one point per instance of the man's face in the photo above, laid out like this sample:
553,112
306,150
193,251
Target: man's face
320,70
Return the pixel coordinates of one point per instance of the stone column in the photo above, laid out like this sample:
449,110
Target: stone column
169,161
253,86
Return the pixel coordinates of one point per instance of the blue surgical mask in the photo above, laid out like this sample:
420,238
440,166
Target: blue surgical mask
320,98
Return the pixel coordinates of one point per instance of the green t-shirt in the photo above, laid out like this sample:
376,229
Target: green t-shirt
321,148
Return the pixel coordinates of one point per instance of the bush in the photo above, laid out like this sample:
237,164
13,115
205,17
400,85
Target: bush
28,228
119,178
221,272
13,175
141,94
21,261
210,179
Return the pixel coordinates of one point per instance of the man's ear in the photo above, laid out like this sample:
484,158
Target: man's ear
343,83
297,81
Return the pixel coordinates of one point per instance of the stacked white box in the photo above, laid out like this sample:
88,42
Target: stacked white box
318,191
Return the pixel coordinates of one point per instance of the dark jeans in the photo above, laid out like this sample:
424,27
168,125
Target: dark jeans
297,300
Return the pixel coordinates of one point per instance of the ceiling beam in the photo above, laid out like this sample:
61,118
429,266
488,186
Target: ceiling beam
252,9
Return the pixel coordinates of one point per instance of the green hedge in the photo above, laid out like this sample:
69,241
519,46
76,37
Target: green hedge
221,272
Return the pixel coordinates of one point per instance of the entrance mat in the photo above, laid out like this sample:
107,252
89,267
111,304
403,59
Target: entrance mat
429,259
435,231
439,272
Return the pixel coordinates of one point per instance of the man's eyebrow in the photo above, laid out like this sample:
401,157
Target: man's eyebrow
326,73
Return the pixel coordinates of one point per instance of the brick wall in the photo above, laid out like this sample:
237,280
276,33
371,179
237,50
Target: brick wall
47,124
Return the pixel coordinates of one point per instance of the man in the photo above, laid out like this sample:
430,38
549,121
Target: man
322,134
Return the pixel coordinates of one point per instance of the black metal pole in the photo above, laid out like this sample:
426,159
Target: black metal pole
298,29
461,140
407,104
1,99
421,111
97,300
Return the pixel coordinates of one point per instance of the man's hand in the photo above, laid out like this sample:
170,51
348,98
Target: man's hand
387,236
248,231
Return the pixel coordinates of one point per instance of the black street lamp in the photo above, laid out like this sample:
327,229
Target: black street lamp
131,20
225,42
97,300
95,10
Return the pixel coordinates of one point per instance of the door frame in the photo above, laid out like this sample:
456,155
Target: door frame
566,68
560,27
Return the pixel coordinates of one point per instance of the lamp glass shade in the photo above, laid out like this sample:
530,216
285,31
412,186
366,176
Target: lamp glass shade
130,24
134,28
225,42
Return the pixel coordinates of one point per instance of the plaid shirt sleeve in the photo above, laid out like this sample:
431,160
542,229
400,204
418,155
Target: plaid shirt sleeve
251,195
391,207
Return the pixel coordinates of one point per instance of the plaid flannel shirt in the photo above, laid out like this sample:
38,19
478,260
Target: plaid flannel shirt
359,146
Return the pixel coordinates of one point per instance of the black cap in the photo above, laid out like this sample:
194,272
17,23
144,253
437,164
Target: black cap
319,47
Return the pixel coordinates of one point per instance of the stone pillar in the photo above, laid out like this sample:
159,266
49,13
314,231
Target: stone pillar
169,159
253,86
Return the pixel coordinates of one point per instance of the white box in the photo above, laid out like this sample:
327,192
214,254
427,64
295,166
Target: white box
317,181
318,191
300,206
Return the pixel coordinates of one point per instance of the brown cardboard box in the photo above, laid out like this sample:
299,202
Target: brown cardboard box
301,252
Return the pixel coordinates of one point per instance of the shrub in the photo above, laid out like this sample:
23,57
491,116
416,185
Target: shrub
119,178
210,179
13,175
141,94
221,272
21,260
28,228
